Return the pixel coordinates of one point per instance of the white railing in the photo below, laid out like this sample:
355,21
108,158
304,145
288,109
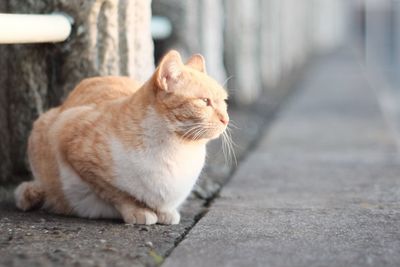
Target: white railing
161,27
56,27
27,28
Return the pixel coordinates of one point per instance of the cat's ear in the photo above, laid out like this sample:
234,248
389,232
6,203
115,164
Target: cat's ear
169,70
197,62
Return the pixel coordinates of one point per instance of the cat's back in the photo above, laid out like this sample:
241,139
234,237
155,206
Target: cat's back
99,90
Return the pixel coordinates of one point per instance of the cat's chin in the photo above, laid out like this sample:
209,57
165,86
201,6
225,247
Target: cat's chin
199,140
202,139
204,136
216,135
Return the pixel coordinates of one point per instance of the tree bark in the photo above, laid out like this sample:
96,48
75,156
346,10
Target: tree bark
5,162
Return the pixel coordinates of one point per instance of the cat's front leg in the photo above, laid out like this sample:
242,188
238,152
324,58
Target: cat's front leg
131,210
136,214
168,217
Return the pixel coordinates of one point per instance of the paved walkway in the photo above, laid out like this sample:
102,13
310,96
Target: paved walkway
321,189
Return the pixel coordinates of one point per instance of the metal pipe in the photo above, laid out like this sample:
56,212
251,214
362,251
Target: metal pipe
161,27
27,28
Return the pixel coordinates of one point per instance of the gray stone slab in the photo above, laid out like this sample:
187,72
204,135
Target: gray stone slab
334,87
336,113
231,235
327,181
329,134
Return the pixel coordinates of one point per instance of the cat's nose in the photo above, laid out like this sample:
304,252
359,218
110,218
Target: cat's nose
224,120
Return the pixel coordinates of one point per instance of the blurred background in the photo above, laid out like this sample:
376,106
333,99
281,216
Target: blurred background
256,44
257,49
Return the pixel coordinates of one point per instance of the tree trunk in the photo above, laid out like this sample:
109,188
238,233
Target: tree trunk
5,162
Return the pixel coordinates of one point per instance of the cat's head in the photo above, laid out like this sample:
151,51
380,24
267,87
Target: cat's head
193,102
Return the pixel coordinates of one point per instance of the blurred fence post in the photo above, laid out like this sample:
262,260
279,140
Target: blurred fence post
330,18
110,37
271,58
212,38
242,32
197,28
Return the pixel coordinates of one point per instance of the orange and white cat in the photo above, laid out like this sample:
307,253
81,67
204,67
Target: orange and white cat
118,150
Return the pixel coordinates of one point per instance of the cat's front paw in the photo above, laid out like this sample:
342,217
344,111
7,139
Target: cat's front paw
140,216
169,217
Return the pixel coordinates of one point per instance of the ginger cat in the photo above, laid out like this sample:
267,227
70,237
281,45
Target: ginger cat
118,150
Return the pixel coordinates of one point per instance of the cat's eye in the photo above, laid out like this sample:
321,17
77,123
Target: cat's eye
207,101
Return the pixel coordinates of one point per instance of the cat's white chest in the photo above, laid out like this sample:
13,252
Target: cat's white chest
161,174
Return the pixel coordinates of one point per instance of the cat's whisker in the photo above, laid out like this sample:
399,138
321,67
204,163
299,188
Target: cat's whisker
232,91
188,132
197,135
223,142
228,148
201,133
233,125
229,133
227,80
194,132
191,131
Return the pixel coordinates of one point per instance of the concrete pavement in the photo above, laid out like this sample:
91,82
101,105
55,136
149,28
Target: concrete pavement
322,188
